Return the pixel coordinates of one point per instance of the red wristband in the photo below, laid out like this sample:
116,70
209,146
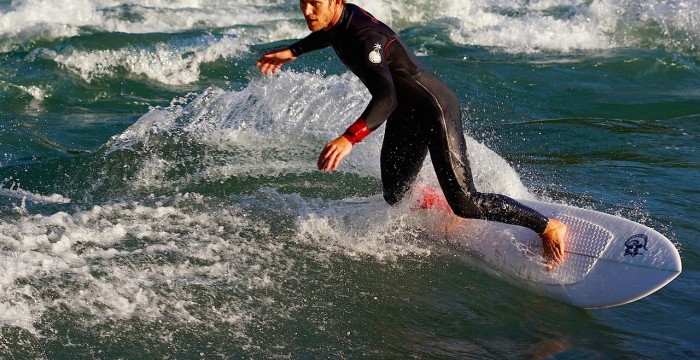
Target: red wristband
357,131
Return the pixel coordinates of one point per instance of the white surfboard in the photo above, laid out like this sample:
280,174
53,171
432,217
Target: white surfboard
609,260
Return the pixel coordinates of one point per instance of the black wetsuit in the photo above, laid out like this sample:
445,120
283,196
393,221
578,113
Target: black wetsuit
422,115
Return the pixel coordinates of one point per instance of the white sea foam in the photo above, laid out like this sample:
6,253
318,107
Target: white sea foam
136,282
13,190
518,26
30,18
38,94
523,26
363,227
167,63
551,25
147,260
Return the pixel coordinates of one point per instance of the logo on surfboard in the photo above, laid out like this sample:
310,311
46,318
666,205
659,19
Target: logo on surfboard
635,244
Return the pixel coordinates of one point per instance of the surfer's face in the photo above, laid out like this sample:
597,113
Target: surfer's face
320,14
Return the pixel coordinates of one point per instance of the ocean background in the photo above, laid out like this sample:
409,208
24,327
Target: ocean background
159,197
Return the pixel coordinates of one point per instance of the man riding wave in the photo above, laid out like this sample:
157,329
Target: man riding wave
422,116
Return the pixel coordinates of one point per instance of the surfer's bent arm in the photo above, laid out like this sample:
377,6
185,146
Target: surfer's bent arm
375,74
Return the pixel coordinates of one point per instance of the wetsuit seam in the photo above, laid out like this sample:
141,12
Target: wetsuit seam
386,47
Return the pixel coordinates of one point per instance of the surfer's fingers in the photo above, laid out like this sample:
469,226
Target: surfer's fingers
323,158
264,67
335,161
321,163
334,158
262,62
325,162
331,164
268,65
273,67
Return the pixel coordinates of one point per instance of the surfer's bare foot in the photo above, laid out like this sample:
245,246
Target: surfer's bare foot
553,243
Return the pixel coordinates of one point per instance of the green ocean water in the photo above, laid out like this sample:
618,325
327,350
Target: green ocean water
159,198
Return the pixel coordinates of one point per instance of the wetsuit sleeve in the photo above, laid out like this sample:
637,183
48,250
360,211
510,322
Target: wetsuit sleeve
375,74
314,41
357,131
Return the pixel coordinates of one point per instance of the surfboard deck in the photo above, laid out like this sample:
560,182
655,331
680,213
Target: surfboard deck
609,260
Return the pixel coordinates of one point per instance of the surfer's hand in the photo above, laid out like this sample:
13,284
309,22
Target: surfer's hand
332,153
272,61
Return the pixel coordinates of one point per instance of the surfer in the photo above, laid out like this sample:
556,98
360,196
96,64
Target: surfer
422,116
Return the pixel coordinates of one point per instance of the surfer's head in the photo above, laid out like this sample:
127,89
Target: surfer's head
321,14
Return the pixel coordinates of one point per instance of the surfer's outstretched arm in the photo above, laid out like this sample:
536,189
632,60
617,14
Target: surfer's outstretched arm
272,61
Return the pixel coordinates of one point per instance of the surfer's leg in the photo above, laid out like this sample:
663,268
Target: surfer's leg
402,156
457,184
448,151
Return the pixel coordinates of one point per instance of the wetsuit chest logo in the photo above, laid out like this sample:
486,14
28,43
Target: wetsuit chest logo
375,56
